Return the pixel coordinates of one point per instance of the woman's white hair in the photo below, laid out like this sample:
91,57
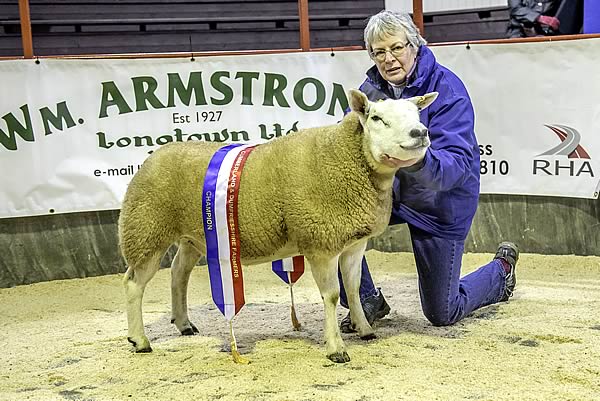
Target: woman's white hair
388,23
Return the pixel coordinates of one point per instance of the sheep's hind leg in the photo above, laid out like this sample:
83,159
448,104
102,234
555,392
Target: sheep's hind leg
324,272
135,281
350,266
181,268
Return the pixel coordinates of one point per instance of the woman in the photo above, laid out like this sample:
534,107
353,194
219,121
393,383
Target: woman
437,195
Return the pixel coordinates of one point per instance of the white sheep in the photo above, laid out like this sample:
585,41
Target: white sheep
320,192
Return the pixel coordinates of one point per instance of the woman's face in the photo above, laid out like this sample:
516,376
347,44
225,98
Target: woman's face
394,57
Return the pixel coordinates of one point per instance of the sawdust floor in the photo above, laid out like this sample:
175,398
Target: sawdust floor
65,340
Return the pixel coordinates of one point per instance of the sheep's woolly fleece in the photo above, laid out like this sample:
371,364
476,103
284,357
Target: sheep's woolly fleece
326,185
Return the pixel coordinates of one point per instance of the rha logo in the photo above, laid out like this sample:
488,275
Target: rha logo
553,161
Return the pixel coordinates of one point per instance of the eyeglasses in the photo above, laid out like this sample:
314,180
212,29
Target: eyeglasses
396,51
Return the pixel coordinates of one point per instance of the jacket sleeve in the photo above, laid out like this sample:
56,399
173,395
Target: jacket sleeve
448,161
522,13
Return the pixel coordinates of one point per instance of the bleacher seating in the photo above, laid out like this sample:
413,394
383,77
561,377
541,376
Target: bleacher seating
70,27
133,26
466,25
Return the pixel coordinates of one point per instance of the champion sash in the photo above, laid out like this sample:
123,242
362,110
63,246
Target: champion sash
289,269
220,220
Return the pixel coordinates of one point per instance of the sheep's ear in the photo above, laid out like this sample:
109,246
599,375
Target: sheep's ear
423,101
358,102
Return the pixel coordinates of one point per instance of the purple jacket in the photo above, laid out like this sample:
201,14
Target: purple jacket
441,196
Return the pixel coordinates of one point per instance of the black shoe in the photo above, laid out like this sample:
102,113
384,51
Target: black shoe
375,307
510,253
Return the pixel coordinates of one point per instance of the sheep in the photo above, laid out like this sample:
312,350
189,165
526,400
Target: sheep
320,192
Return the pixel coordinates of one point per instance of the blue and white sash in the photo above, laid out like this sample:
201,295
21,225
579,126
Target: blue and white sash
220,220
289,269
219,212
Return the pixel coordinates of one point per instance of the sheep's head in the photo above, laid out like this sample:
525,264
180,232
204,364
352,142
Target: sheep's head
393,131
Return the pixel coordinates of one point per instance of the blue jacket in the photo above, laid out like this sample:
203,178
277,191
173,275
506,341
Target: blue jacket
441,196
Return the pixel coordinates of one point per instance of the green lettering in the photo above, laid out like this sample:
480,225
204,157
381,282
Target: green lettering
179,135
274,86
199,137
15,127
62,114
185,93
139,141
102,141
293,129
163,140
338,97
123,142
235,136
222,88
247,78
221,136
263,132
111,96
144,88
299,94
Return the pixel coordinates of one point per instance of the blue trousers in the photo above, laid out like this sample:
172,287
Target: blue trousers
445,297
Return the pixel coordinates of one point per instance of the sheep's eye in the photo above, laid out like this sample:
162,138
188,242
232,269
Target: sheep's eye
377,118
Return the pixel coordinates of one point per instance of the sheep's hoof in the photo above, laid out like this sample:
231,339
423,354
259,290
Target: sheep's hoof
339,357
140,350
189,331
368,337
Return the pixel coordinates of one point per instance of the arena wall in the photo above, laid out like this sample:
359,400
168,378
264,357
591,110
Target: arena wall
81,245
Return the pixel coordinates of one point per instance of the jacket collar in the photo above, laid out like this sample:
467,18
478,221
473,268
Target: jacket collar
424,65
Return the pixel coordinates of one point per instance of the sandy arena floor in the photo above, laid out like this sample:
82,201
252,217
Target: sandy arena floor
65,340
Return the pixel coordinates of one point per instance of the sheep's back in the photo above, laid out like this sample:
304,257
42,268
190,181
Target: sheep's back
308,192
311,190
163,201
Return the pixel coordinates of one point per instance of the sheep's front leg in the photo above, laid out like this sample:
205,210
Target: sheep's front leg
350,266
135,280
181,268
324,271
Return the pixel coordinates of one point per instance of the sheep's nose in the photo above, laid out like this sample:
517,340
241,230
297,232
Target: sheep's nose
418,133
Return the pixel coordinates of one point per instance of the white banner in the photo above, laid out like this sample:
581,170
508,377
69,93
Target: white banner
73,132
537,114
